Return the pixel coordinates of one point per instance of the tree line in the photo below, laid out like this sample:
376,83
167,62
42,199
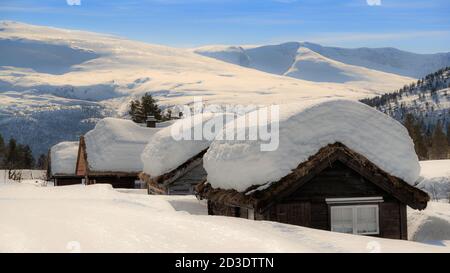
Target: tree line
428,144
14,155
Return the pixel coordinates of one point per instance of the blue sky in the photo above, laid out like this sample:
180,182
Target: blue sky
419,26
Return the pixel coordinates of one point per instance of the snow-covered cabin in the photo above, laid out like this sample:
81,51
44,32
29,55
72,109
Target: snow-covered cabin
62,163
340,166
174,165
110,153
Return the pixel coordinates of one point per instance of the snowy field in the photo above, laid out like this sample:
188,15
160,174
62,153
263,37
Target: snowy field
98,218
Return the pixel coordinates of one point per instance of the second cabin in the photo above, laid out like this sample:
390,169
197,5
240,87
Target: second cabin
110,153
173,165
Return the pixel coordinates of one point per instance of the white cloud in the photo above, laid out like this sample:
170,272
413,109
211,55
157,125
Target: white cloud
73,2
373,2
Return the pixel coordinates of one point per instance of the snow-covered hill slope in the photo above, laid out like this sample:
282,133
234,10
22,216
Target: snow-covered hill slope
435,179
311,66
84,76
97,218
428,100
278,59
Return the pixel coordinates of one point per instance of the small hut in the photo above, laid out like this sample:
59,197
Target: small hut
340,166
110,153
175,166
62,163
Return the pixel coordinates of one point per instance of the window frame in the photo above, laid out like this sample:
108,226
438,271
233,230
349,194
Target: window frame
355,217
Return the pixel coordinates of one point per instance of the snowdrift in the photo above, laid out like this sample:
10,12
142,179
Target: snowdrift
303,130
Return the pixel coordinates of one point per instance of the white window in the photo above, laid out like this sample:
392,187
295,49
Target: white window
357,219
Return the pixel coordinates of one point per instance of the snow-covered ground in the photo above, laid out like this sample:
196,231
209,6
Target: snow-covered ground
98,218
435,178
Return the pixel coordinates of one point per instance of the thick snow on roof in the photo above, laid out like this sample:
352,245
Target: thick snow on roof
165,153
63,158
116,145
304,129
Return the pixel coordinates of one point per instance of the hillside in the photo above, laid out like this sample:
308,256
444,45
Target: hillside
55,83
428,100
279,59
424,108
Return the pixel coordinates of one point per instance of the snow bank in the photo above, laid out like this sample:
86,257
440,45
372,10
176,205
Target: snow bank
431,225
435,178
63,158
97,218
116,145
304,129
165,153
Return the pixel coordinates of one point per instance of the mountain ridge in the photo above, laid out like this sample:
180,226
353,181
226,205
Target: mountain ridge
385,59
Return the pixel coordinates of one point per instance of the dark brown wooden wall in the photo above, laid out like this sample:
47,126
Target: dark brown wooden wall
65,181
116,181
307,206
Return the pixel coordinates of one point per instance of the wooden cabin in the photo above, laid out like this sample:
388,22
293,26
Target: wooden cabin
336,189
62,162
180,181
117,179
110,153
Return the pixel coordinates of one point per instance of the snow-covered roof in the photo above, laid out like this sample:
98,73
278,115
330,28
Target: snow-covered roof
115,145
304,129
165,153
63,158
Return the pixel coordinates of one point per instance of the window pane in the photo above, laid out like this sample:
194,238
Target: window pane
342,219
366,220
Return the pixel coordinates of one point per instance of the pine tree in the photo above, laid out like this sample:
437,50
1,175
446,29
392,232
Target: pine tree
147,106
135,106
26,158
439,144
2,151
42,162
420,144
448,134
150,107
12,154
415,132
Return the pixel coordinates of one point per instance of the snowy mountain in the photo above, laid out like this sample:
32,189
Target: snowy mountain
327,61
55,83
